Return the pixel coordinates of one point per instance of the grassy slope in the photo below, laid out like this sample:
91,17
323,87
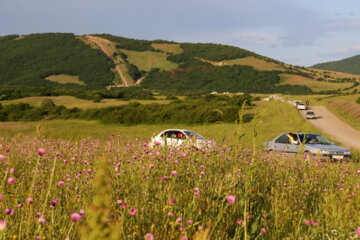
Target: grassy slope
147,60
347,65
64,79
316,86
344,107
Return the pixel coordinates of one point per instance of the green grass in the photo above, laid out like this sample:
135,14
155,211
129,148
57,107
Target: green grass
267,125
147,60
64,79
316,86
71,102
173,48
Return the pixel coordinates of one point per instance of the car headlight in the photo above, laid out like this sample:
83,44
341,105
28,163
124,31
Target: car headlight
325,151
347,153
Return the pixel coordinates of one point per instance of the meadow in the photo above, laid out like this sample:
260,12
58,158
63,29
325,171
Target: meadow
72,179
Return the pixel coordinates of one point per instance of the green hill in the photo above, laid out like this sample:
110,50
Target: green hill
30,59
52,61
347,65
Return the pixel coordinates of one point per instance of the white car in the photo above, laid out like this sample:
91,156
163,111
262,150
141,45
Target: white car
301,106
177,137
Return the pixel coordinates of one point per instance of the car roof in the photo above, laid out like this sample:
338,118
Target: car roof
177,129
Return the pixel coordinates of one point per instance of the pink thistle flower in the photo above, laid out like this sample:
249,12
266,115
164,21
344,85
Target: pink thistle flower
231,199
3,225
315,223
38,214
358,171
11,170
178,220
60,183
41,151
248,216
149,236
170,214
11,180
308,222
9,211
132,211
29,200
41,220
1,196
172,201
119,202
184,238
82,212
181,228
124,206
357,231
189,222
263,230
2,157
75,217
174,172
239,221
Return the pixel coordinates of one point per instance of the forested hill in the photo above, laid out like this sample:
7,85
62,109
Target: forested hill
100,61
347,65
29,60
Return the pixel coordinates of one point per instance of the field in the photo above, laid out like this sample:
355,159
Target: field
81,179
316,86
64,79
71,102
147,60
256,63
173,48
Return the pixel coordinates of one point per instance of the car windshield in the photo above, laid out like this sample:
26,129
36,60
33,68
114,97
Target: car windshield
314,139
193,134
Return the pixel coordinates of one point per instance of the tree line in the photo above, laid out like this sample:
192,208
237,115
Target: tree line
193,110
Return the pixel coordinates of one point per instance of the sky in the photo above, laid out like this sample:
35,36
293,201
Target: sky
297,32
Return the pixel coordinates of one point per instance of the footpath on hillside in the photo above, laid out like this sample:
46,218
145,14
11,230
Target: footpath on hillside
102,44
333,126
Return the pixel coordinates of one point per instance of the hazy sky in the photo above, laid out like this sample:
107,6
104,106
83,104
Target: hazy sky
298,32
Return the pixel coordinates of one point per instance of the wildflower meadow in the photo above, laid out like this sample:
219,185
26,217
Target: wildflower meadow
112,188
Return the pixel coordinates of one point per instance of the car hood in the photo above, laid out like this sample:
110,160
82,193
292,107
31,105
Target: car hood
327,147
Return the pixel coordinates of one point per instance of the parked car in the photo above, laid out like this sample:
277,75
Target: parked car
301,106
177,137
310,143
310,115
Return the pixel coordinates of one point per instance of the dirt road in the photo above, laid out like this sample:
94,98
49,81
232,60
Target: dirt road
330,124
102,44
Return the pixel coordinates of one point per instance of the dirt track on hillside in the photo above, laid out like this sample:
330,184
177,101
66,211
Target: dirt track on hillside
333,126
101,43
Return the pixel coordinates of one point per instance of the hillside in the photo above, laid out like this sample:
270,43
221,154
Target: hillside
30,59
100,61
347,65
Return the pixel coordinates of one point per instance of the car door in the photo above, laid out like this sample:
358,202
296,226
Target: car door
168,137
295,147
282,143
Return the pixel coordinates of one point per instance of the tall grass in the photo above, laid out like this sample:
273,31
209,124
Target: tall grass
171,193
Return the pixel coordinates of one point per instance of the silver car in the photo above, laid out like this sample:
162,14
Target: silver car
314,144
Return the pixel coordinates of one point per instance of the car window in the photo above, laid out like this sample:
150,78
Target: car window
283,139
168,134
316,139
192,134
179,135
